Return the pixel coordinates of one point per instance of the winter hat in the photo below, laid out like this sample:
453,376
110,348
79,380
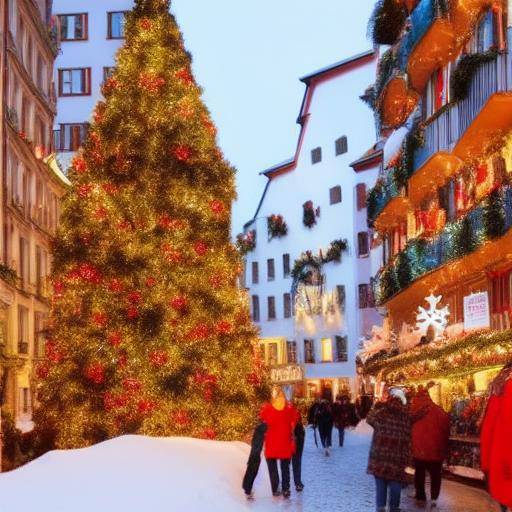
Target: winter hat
398,393
278,400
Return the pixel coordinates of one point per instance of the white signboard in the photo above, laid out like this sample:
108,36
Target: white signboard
476,311
286,374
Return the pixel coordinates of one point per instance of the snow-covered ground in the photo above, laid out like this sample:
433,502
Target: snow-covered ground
141,474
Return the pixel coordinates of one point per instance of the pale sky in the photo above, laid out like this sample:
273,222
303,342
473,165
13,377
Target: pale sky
248,57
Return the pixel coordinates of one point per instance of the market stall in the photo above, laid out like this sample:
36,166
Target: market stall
458,372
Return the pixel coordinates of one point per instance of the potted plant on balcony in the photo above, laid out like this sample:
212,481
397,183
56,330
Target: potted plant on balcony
310,214
276,226
246,242
335,250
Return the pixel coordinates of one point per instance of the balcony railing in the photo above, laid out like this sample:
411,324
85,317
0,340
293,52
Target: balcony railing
382,194
431,255
443,131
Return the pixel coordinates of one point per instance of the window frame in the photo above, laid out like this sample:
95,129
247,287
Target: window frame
109,25
271,269
85,20
60,133
363,242
255,273
287,305
286,265
271,308
309,342
316,155
291,351
255,304
338,340
86,81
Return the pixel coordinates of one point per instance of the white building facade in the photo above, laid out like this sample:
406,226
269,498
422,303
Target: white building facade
90,35
312,303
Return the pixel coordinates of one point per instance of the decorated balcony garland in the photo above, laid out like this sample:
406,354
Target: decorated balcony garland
246,242
466,68
276,226
310,214
387,21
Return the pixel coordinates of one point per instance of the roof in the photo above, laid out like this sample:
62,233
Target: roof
336,66
371,156
277,167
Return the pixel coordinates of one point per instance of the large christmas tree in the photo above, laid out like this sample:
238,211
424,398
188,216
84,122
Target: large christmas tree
149,332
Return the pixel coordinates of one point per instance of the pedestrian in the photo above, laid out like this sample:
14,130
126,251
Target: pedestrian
496,447
430,438
344,415
325,424
253,464
312,416
390,449
299,435
280,419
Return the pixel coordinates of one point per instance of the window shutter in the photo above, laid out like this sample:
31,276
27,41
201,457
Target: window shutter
287,305
335,194
271,271
286,265
316,155
361,195
255,308
341,145
255,273
362,241
271,303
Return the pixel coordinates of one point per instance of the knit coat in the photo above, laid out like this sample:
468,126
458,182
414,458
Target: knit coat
390,452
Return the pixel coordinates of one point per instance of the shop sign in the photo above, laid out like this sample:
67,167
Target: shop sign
286,374
476,311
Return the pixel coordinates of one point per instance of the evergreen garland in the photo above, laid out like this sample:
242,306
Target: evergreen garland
463,74
494,216
386,22
403,270
387,64
466,240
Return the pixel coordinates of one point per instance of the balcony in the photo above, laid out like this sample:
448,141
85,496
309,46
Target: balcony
450,246
464,130
464,14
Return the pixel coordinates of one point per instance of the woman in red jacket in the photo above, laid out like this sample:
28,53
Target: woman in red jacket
280,419
496,448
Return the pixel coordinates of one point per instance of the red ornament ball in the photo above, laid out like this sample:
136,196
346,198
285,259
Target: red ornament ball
95,372
179,303
209,434
115,338
42,371
200,248
150,282
115,286
180,418
200,332
182,153
79,165
185,76
132,313
99,319
85,190
145,24
217,207
224,327
135,298
146,406
132,384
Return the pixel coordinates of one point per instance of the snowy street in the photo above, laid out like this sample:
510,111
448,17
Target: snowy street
340,483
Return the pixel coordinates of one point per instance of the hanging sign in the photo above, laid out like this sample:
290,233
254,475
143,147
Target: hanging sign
476,311
286,374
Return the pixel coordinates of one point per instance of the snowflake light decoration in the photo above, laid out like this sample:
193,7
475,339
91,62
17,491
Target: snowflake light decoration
434,316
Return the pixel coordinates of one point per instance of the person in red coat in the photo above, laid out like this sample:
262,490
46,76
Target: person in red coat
496,445
430,438
280,419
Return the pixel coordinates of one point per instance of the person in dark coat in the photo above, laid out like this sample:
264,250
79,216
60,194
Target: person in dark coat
299,435
344,415
325,424
253,464
390,451
430,438
280,419
496,446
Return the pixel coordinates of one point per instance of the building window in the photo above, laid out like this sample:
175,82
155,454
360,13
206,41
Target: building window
75,82
271,306
41,259
335,194
69,137
291,351
326,350
287,305
116,24
341,145
255,273
361,196
341,349
24,262
363,296
73,27
107,72
22,330
271,270
340,296
309,351
316,155
255,308
39,334
363,247
24,407
286,265
272,354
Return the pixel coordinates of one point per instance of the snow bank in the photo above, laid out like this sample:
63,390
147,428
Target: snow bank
134,474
